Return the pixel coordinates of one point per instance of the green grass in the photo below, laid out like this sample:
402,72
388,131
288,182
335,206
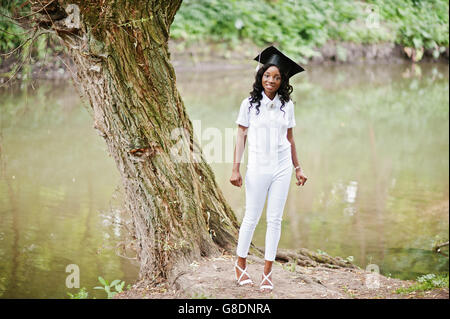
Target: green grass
199,295
82,294
425,283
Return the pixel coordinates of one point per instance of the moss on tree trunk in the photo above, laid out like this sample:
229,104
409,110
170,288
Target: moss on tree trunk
123,69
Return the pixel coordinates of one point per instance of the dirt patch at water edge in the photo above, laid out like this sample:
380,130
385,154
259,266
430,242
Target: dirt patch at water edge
214,278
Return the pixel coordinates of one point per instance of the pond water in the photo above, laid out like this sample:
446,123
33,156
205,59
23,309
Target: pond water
373,141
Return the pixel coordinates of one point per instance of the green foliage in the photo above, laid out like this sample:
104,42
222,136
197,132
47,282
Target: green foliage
418,24
301,27
116,284
82,294
11,34
297,27
426,282
290,266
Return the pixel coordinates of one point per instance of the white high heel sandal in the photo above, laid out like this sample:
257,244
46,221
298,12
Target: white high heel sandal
266,277
243,271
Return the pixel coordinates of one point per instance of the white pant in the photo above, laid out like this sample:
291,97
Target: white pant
261,179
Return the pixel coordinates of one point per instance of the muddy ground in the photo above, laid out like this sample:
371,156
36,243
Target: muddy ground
214,278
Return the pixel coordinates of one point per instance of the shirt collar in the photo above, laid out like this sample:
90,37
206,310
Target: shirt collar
266,99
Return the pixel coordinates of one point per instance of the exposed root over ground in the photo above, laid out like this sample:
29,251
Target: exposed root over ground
312,276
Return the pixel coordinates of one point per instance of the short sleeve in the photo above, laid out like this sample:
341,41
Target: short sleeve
291,116
242,118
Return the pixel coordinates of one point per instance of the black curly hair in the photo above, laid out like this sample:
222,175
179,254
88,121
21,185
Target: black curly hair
284,91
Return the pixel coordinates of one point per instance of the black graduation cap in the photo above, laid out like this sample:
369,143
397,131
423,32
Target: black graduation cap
275,56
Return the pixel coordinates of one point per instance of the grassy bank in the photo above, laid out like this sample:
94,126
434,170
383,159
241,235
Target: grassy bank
300,28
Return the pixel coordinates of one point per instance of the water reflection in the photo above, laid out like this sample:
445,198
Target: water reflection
54,198
373,141
351,191
413,262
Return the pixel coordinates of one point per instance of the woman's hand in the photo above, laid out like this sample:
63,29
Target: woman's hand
236,179
301,178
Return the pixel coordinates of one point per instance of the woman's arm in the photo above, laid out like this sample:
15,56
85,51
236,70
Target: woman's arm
301,178
241,139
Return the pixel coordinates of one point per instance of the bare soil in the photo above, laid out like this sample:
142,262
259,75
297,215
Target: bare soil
215,278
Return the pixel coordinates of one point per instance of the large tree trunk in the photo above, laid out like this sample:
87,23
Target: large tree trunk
123,68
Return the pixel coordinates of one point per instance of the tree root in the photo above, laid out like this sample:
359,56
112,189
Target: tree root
438,246
310,280
307,258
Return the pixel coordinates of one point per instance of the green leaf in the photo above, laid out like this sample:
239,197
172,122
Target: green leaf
119,288
115,282
401,12
426,34
102,281
419,55
417,42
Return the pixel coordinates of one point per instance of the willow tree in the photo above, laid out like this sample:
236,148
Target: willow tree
123,68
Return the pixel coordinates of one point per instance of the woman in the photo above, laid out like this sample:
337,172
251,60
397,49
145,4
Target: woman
267,119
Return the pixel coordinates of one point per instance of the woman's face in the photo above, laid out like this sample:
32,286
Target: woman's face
271,80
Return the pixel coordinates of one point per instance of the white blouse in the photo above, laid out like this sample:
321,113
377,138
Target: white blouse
267,131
